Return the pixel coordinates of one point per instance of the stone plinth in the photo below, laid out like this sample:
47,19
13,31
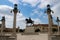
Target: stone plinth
29,30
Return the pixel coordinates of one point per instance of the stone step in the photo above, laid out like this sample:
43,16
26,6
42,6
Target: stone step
36,33
56,37
4,37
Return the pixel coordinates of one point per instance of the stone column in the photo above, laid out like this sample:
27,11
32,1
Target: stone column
15,10
50,21
49,27
2,28
18,29
3,18
58,24
14,25
3,25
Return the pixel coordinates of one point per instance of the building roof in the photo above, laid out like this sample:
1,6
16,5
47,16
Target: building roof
42,25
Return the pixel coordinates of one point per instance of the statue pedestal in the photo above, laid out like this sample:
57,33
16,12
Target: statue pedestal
30,30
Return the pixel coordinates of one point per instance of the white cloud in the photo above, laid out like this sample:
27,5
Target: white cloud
14,1
5,11
54,1
35,11
5,8
56,10
43,3
37,21
32,2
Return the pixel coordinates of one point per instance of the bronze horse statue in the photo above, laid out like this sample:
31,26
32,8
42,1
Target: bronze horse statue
29,21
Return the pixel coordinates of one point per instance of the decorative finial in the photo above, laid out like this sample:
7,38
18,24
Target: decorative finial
15,10
48,6
15,6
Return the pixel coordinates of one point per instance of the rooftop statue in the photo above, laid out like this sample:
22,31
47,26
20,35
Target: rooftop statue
3,18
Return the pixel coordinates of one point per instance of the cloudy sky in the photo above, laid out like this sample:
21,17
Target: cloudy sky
28,8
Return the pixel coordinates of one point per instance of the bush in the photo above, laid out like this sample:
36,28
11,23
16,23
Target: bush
54,30
37,30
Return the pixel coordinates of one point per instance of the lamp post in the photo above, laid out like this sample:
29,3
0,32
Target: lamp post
15,10
48,11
